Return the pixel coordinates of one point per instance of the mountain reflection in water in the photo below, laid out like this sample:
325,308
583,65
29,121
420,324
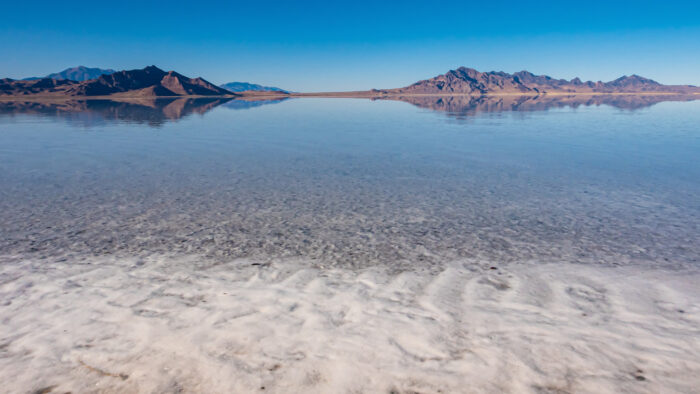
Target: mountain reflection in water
152,112
156,112
461,107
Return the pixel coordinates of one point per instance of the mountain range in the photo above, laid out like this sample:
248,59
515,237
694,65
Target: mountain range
154,82
148,82
80,73
156,111
472,82
246,86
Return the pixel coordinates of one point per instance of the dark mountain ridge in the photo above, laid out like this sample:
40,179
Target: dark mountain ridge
147,82
470,81
150,81
154,82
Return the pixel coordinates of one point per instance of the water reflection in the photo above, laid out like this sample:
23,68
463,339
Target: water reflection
155,112
350,182
248,104
151,112
462,107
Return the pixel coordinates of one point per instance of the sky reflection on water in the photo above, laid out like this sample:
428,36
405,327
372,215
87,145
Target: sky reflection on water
355,182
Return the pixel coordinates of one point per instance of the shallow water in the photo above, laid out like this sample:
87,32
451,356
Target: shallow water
424,245
353,182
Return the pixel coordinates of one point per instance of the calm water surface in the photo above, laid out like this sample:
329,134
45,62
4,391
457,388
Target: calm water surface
352,182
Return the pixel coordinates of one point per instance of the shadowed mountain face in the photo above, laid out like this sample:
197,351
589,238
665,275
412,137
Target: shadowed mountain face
151,81
148,82
11,87
469,81
80,73
466,106
245,86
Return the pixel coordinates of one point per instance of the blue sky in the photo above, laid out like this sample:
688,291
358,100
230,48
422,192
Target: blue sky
326,45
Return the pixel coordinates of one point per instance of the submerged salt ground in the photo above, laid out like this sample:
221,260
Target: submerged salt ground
358,183
340,245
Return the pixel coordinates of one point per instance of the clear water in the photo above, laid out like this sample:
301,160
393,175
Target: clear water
352,182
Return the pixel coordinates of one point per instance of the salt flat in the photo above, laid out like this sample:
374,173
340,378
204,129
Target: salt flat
176,324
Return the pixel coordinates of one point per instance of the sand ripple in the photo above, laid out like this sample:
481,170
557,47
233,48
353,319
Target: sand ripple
185,324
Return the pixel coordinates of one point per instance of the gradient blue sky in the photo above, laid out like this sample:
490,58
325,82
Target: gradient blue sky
326,45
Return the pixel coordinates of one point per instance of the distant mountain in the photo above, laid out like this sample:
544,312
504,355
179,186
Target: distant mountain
154,82
472,82
80,73
148,82
245,86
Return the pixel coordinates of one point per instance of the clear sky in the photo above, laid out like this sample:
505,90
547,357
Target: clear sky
353,45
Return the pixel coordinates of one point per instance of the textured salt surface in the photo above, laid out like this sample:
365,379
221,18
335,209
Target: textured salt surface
178,324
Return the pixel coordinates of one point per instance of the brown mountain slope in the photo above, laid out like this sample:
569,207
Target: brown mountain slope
469,81
13,87
148,82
